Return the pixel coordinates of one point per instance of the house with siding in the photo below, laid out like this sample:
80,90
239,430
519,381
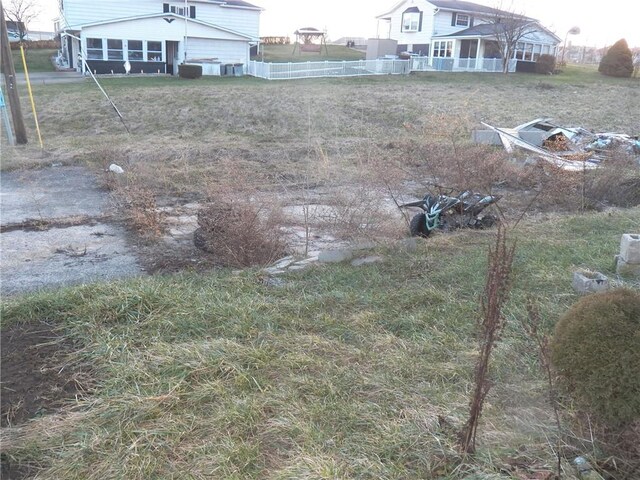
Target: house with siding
155,36
458,32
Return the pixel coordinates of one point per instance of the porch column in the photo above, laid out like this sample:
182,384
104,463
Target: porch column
479,61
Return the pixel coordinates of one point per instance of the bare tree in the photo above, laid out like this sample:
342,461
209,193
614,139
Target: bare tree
508,29
21,13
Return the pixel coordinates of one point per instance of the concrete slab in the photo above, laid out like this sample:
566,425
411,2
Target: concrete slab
77,243
55,192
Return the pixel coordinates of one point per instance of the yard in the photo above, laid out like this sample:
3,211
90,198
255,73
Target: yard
38,59
206,371
285,53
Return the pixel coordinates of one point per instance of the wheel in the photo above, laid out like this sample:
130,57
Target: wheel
200,239
418,226
488,221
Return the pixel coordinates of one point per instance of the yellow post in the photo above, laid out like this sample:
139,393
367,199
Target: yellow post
33,103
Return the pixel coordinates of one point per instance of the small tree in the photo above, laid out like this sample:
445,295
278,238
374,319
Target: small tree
508,29
21,13
618,61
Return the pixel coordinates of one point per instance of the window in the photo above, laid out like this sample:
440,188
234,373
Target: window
443,49
536,52
178,10
411,19
154,51
134,50
94,48
462,20
114,49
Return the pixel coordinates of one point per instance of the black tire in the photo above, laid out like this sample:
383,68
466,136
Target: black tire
200,239
418,226
488,221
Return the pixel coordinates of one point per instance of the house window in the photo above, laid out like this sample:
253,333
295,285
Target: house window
178,10
94,48
411,20
114,49
134,50
443,49
154,51
462,20
536,52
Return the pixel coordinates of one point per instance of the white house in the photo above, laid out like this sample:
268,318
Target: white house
156,35
454,30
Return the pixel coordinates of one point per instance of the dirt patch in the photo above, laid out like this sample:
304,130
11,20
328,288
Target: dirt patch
37,376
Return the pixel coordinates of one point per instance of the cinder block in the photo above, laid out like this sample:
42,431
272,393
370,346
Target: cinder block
625,269
335,256
588,282
630,248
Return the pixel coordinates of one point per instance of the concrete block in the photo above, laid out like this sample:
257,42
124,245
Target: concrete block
335,256
630,248
625,269
366,260
585,281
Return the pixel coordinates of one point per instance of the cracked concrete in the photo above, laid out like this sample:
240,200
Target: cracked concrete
57,230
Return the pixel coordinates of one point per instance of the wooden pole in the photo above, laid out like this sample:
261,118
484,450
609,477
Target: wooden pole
10,81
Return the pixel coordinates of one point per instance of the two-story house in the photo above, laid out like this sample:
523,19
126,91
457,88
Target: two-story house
460,30
155,35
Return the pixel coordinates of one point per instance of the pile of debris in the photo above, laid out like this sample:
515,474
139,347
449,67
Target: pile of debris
568,148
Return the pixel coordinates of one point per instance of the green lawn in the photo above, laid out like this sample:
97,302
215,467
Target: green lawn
342,372
284,53
38,60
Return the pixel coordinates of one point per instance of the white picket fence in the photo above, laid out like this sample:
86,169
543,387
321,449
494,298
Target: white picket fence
288,71
295,70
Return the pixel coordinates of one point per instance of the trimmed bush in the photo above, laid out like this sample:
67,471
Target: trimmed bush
618,61
545,64
189,71
596,351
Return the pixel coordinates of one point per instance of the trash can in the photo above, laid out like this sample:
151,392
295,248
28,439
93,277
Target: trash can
238,69
226,70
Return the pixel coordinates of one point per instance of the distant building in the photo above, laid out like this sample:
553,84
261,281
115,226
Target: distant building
461,30
156,36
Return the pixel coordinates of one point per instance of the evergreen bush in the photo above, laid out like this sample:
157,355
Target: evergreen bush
596,352
618,61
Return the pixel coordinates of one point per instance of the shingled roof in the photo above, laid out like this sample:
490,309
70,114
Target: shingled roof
462,6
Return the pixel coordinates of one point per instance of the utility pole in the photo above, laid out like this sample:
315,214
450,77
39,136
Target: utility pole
10,81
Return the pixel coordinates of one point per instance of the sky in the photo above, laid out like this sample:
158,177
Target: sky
601,23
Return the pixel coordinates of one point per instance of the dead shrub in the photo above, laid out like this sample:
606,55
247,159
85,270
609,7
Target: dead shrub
362,212
138,206
616,183
241,233
471,167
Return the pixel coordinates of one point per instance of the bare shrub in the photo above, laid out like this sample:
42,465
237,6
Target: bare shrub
496,293
471,167
240,234
138,205
362,212
616,183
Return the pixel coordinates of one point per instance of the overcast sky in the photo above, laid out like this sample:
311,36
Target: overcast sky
601,23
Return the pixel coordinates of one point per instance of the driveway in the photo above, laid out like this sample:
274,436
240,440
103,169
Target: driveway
48,78
56,229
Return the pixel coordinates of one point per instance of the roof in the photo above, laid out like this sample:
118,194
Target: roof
481,30
308,31
161,15
238,3
491,29
459,6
